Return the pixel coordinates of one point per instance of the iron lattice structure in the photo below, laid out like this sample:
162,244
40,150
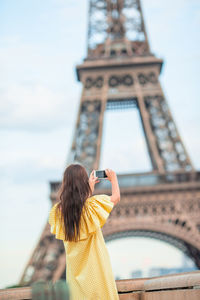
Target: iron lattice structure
116,28
121,72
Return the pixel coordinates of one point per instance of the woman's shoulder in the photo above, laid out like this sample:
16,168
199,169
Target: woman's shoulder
102,198
99,196
55,209
99,204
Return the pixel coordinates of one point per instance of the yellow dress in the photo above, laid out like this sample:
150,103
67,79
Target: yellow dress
88,267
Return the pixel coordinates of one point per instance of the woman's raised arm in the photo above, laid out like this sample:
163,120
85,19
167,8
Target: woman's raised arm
112,177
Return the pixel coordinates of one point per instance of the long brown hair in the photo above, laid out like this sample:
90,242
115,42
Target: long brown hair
73,193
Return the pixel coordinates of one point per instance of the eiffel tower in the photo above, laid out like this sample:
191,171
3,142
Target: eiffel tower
121,72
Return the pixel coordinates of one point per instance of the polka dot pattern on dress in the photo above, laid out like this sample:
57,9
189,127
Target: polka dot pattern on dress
88,266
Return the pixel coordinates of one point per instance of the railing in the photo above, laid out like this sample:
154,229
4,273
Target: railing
144,179
150,179
178,286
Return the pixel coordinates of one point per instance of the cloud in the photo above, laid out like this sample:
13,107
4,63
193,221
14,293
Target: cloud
23,214
35,107
34,157
171,23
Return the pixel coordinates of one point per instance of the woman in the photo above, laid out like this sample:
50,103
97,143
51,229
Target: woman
77,219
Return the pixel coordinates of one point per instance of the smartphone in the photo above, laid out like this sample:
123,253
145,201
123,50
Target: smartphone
100,174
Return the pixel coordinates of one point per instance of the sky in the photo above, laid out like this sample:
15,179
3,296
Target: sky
41,42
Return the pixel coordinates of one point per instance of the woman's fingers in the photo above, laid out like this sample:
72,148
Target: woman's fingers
109,174
107,171
96,180
92,174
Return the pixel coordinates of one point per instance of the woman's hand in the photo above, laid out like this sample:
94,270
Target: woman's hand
111,175
92,180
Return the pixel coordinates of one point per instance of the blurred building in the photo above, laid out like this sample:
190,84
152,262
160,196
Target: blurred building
137,274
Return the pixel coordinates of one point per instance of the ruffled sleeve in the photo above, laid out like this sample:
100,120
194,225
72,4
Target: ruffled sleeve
94,215
98,208
55,223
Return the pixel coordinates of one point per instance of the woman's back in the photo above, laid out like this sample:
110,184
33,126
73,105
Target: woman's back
88,267
77,219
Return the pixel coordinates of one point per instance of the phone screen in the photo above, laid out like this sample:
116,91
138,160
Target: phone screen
101,174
